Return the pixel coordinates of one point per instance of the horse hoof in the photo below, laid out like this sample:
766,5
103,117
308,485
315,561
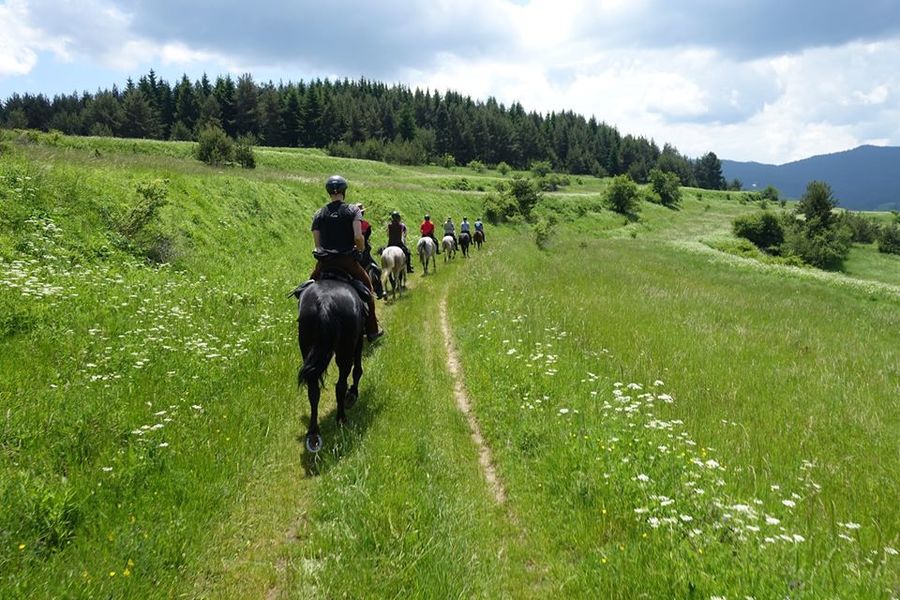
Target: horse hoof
350,399
314,443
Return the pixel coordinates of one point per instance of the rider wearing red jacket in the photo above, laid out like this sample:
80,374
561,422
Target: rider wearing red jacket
427,229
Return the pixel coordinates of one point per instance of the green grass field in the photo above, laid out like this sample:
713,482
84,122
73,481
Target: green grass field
668,420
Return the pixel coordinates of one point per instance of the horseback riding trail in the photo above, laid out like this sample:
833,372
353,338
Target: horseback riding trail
465,406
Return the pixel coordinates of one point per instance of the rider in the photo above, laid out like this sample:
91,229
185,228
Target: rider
427,229
464,227
396,230
450,229
365,258
479,226
337,235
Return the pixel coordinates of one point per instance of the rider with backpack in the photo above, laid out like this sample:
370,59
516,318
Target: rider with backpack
338,238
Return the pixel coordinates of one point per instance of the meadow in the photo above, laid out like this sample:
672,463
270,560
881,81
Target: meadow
668,420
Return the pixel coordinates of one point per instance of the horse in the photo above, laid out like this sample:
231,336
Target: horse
393,265
427,250
478,238
330,323
464,240
449,246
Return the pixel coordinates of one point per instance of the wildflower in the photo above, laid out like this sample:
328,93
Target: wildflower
21,547
772,520
889,550
106,469
642,477
852,525
789,503
564,411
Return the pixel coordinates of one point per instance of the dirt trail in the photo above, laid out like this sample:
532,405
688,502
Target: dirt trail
462,401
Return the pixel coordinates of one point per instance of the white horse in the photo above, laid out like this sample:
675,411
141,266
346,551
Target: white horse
393,266
427,249
449,247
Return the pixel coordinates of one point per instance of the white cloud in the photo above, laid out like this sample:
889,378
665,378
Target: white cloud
739,79
20,42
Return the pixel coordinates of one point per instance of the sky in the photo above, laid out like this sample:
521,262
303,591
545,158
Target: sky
765,80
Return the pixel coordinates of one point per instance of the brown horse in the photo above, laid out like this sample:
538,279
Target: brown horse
478,239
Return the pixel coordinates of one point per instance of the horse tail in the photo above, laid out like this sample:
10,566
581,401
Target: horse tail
324,331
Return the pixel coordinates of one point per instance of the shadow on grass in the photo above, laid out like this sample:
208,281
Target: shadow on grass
340,442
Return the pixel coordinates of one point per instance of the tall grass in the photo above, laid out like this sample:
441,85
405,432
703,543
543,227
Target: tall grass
149,408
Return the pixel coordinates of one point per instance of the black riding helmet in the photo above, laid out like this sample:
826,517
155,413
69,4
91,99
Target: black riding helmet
427,217
336,185
395,215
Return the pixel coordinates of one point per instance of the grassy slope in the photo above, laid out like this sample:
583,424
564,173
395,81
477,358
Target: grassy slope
397,503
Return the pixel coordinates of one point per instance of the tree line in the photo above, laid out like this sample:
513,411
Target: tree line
363,119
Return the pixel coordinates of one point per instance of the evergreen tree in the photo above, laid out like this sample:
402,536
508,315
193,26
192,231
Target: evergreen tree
407,125
708,172
246,106
139,118
224,92
293,118
187,108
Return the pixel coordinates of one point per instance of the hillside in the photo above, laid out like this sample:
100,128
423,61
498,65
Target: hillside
664,419
864,178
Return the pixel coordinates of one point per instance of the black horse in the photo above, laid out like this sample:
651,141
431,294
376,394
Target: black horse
464,240
331,320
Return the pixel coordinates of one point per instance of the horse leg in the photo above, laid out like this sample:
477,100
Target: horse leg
353,392
340,388
313,439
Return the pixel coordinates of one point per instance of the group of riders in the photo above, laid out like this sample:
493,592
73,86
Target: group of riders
341,237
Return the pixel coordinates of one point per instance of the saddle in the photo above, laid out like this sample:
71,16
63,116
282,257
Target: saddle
336,275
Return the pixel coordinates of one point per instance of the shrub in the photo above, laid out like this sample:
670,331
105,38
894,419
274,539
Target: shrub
503,168
666,187
889,239
525,194
180,132
763,229
825,248
541,168
543,231
863,230
447,161
243,152
622,195
214,147
498,208
476,165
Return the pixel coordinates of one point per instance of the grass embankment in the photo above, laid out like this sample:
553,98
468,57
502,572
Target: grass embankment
668,425
138,401
149,445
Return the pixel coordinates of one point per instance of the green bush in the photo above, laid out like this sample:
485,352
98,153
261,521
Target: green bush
525,194
447,161
498,208
863,230
214,147
541,168
543,231
503,168
181,132
666,187
763,229
476,165
622,195
825,248
243,152
889,239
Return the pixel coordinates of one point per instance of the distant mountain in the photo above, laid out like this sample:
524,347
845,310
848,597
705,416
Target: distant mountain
865,178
